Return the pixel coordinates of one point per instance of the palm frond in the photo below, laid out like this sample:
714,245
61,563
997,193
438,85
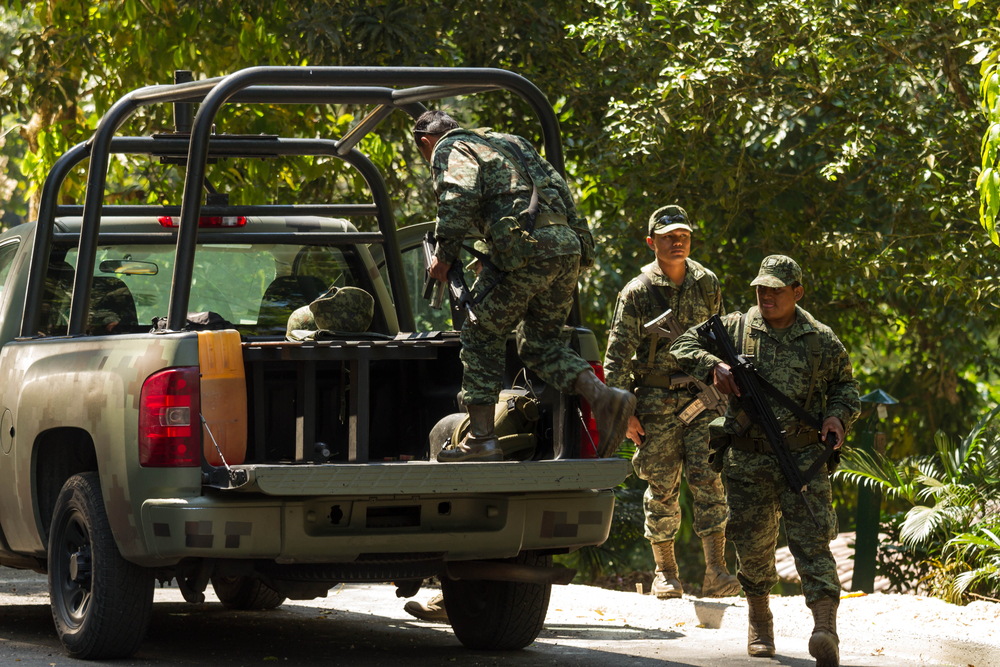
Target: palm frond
973,438
922,523
876,471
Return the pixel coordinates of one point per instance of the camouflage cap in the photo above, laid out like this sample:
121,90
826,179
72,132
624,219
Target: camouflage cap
778,271
338,309
667,219
480,246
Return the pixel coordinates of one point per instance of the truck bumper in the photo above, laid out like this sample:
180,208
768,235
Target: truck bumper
331,529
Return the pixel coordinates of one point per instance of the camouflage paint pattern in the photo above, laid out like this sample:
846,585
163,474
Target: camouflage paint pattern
338,309
299,530
536,299
668,447
476,185
758,491
758,497
783,359
92,386
628,343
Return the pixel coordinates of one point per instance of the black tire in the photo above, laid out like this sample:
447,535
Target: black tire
101,603
246,593
497,615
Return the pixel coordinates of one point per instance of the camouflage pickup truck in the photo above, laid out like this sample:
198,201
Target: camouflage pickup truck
141,442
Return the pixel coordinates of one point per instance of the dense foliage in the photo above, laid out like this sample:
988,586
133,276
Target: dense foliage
841,132
953,517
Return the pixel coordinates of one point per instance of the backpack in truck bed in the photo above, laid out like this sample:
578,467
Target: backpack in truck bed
515,421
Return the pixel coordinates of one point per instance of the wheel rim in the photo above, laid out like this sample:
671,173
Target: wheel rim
73,589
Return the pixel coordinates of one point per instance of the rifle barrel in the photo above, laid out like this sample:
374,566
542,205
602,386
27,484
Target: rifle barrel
756,406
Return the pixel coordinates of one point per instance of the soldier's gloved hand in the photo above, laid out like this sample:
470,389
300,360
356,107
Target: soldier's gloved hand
635,431
832,424
724,380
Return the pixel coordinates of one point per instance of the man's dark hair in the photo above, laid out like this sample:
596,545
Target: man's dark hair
434,123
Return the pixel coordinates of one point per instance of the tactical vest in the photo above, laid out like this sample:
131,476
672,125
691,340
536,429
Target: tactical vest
656,294
747,345
510,237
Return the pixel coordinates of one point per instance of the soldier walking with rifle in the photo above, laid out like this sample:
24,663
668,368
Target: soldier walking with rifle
498,186
670,429
795,398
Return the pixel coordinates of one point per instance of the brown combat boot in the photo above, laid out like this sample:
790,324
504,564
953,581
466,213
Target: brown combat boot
434,611
718,582
760,634
667,583
824,643
480,443
611,409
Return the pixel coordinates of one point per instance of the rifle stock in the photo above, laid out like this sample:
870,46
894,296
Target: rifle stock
753,401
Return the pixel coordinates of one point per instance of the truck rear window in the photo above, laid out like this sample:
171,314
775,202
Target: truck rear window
254,286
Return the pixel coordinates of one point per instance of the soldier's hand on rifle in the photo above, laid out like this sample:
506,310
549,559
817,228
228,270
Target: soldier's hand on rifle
833,425
724,380
439,270
635,430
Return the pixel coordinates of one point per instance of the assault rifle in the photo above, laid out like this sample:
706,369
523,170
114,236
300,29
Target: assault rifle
456,280
752,401
708,397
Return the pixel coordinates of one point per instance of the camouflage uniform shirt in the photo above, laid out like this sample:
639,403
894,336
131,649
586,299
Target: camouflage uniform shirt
783,358
476,184
694,301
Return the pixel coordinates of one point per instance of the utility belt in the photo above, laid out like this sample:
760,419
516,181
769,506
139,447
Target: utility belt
549,220
794,442
675,381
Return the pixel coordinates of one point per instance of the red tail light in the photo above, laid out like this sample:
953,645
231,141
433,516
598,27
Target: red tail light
170,419
207,221
589,436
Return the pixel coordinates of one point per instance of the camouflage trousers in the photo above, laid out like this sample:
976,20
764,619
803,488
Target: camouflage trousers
759,496
668,448
536,299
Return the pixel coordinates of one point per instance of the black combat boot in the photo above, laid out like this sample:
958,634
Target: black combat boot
667,583
760,634
718,582
480,443
824,644
611,409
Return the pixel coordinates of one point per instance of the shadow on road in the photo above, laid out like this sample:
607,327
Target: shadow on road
210,635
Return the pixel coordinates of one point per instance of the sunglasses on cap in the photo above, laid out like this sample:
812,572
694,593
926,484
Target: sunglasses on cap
671,219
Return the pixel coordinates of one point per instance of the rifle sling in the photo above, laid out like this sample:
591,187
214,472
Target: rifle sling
793,407
533,205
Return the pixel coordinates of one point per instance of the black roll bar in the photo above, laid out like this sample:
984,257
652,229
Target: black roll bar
276,85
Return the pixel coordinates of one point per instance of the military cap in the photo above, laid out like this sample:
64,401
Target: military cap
480,246
778,271
667,219
338,309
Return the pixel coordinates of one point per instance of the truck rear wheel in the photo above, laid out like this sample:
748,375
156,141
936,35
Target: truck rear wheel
246,593
498,615
101,603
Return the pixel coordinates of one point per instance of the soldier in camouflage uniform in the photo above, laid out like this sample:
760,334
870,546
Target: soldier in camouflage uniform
806,362
664,443
484,181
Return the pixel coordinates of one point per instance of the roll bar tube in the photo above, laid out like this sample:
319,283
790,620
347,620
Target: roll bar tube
282,85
